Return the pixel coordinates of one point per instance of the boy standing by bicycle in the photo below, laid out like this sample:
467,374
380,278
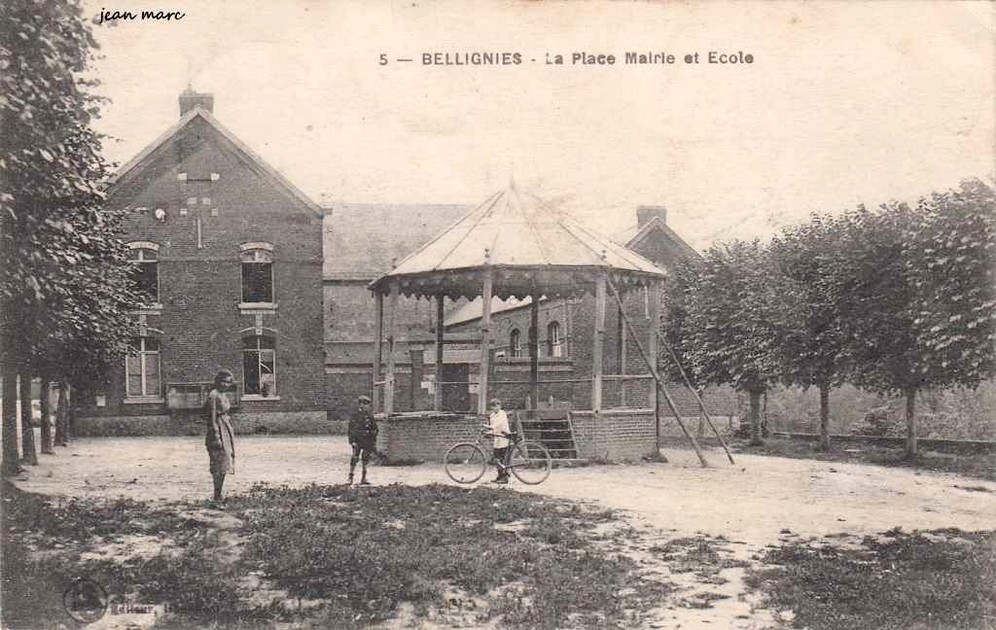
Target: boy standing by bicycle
498,424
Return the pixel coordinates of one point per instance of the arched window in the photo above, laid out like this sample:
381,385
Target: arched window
554,342
142,368
259,366
257,273
515,343
145,274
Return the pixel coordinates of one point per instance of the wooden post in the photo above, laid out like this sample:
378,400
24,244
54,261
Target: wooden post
46,415
378,350
534,353
621,354
599,344
482,387
392,316
654,297
437,401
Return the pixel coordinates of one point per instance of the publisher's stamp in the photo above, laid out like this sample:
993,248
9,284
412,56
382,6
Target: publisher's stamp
85,600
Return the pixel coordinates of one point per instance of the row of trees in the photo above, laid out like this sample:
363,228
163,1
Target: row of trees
65,287
892,300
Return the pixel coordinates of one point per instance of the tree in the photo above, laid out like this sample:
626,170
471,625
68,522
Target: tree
726,327
879,317
924,300
65,291
814,263
952,267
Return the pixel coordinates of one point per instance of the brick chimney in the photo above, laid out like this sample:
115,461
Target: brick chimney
645,214
190,99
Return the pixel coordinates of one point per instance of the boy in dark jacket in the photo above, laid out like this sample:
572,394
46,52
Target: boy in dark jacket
362,437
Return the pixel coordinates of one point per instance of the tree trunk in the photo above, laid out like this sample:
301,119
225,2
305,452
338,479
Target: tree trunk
60,416
755,418
46,416
27,428
70,412
10,454
911,449
824,417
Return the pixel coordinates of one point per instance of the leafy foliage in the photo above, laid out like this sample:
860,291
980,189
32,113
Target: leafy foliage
812,263
952,269
728,321
65,290
725,325
879,316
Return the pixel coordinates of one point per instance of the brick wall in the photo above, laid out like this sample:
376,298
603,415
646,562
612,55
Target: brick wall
616,436
620,436
200,287
425,437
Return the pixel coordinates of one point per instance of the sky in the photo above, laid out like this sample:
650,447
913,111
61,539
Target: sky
844,102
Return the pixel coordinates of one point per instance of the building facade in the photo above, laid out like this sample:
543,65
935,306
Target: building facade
242,271
228,255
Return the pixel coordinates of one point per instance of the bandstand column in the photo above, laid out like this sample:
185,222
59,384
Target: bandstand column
654,296
482,388
378,349
392,316
534,353
437,401
598,345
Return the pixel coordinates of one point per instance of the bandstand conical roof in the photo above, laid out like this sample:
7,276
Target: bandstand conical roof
531,248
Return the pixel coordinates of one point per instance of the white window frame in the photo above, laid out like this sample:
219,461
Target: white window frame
256,253
258,350
148,393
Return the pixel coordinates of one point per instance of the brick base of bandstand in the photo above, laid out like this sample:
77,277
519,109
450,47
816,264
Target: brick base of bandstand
614,435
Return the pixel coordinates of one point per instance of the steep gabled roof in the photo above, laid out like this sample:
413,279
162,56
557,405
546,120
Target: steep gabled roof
133,166
657,224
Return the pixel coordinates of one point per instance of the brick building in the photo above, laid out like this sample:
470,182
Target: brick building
362,242
229,255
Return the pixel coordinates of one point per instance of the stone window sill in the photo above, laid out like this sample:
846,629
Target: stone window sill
257,307
144,400
258,398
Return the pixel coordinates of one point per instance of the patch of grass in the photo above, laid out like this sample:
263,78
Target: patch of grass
529,557
927,580
358,555
704,555
43,542
982,466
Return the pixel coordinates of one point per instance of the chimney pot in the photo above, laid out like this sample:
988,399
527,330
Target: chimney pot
646,214
190,100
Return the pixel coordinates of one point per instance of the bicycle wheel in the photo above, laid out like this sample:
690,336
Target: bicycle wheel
465,462
530,462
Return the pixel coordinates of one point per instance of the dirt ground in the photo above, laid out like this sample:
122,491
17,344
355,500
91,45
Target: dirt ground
754,503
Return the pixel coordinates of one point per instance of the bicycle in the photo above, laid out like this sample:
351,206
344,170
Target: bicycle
530,462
